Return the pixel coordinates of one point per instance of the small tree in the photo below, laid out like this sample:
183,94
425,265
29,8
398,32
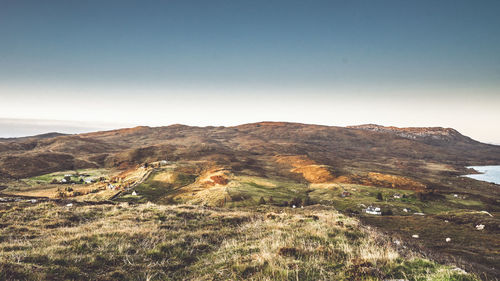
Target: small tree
307,200
420,196
262,201
387,212
379,196
270,200
296,201
60,193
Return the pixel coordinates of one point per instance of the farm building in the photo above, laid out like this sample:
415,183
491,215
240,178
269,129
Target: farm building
373,210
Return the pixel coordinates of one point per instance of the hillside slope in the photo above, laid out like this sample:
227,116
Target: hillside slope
245,146
151,242
411,174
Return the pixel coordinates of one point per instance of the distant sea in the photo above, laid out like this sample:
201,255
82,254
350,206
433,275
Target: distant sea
11,128
488,173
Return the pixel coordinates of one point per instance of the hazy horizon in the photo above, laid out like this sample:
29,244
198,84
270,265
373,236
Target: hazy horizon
389,62
14,128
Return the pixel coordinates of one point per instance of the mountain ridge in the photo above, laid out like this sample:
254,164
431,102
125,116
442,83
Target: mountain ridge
330,145
436,133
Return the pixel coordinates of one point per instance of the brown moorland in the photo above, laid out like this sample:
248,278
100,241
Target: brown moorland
274,161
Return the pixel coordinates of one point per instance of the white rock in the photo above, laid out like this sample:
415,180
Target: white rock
459,270
480,226
293,206
446,221
69,205
448,239
33,200
134,193
415,236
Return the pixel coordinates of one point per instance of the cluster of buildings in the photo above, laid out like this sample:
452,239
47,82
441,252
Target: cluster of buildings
83,178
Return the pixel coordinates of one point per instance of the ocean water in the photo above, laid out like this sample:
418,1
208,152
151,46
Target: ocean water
488,173
11,128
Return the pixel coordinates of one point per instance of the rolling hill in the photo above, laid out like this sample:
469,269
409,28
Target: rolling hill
246,146
412,174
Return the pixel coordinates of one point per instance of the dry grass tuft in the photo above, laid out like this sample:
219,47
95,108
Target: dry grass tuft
151,242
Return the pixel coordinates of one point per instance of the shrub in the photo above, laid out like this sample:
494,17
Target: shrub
262,201
308,201
296,201
428,195
387,212
379,196
60,193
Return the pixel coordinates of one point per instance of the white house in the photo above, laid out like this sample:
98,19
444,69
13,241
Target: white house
373,210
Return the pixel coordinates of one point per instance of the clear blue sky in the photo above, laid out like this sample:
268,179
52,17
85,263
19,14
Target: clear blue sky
393,62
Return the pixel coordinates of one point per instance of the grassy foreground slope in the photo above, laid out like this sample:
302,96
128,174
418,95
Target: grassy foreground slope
46,241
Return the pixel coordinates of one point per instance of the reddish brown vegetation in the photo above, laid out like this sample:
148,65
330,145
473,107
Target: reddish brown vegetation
219,180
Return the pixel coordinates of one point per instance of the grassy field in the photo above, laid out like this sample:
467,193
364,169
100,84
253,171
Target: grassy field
159,187
247,191
47,178
152,242
41,186
469,248
446,216
367,195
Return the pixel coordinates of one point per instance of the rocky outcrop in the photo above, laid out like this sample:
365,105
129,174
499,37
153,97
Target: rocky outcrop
415,133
